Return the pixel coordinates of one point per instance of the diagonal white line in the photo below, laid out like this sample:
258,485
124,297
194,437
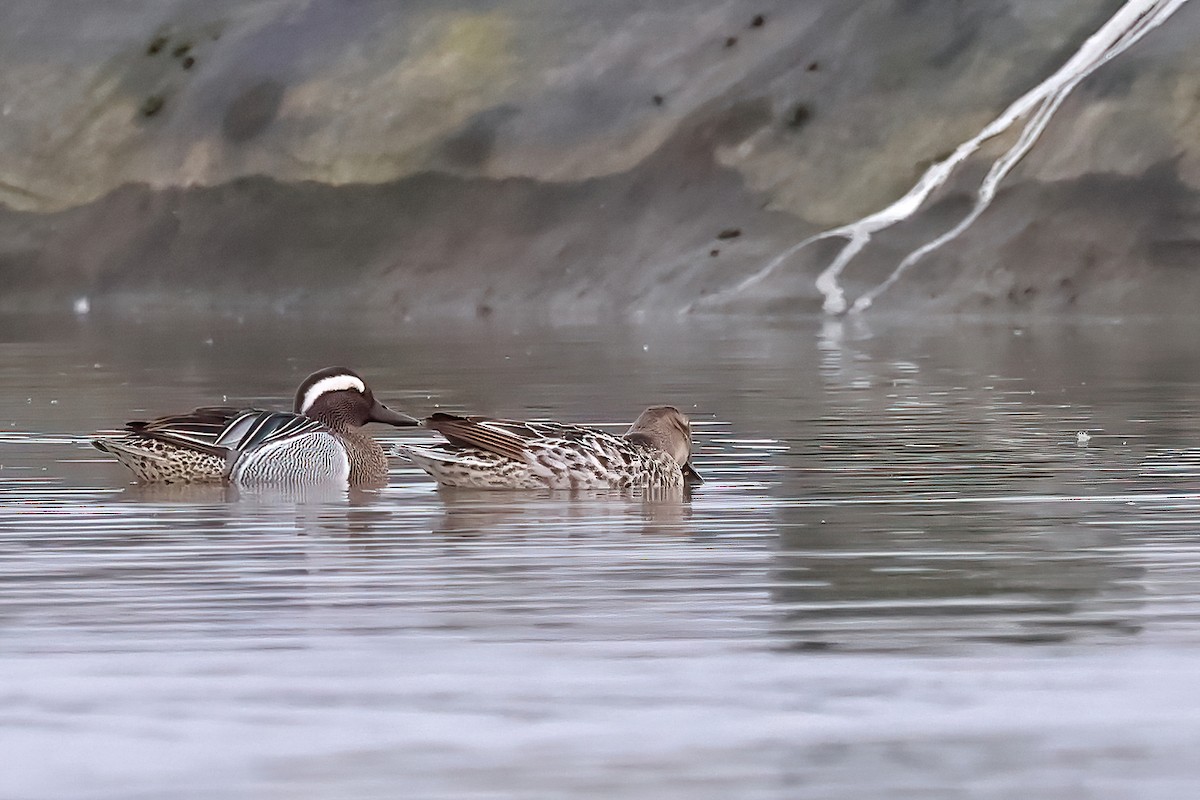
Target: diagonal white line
1133,21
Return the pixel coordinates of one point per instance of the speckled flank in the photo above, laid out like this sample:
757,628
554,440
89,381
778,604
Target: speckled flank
323,444
318,457
485,452
152,461
472,469
551,464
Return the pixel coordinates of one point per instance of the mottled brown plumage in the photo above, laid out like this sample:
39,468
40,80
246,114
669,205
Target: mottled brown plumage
319,441
509,454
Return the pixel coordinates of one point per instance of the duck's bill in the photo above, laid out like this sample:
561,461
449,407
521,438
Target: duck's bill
691,476
381,413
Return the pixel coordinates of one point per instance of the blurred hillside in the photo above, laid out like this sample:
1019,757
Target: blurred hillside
582,160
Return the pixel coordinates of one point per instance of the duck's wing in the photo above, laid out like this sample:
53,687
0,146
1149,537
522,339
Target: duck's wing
222,430
263,427
198,430
505,437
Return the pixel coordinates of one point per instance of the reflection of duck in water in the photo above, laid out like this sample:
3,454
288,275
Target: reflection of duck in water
320,441
470,513
483,453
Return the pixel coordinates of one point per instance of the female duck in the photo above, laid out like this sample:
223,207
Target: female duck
484,453
321,441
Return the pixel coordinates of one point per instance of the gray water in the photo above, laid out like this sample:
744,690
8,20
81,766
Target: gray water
906,575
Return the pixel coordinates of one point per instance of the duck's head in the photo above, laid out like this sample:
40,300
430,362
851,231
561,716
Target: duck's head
667,429
340,398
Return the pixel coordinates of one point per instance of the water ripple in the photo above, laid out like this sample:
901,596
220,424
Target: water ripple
895,560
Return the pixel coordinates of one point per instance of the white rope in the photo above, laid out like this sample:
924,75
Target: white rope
1133,21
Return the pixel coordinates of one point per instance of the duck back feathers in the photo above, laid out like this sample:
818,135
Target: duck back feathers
319,441
486,453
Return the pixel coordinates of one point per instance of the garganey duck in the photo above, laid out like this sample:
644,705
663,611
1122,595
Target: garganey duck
483,453
320,441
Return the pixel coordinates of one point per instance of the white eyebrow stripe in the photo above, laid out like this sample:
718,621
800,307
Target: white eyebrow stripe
334,383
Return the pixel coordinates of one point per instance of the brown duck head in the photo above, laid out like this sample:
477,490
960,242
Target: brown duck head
339,397
666,428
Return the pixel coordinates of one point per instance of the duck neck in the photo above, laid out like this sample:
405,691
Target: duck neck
368,462
334,420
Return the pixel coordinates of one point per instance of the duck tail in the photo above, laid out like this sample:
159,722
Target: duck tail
143,463
469,469
149,465
438,463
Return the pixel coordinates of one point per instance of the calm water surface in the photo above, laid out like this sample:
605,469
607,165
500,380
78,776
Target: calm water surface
906,576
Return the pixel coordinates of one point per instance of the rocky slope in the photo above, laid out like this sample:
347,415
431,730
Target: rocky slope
581,160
